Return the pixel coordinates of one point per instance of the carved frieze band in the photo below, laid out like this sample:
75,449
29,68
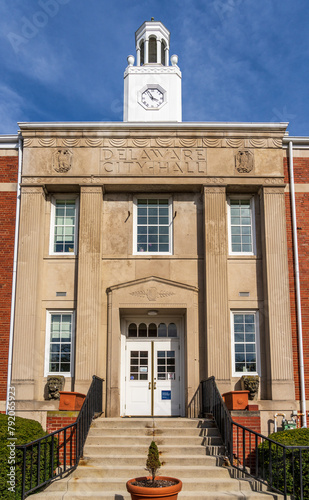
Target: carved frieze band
162,142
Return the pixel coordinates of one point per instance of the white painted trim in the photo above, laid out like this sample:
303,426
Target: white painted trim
257,338
253,226
170,214
49,313
142,125
9,142
54,198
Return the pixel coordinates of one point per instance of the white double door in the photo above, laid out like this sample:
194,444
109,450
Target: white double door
152,378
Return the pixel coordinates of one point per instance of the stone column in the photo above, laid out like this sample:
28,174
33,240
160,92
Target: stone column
138,56
89,293
27,360
146,52
218,336
278,335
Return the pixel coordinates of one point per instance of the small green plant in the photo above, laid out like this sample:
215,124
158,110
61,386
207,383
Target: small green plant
153,463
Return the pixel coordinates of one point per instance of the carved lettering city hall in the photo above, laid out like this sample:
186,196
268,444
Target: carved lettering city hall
153,161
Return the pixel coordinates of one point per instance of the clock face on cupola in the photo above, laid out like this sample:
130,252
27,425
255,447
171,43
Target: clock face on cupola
152,87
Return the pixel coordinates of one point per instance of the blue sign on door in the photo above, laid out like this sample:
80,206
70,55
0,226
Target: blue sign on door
166,395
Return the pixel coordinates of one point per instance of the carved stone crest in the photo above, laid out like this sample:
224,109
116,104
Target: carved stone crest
152,294
62,160
244,161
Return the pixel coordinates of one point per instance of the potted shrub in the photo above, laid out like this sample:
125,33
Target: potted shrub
155,487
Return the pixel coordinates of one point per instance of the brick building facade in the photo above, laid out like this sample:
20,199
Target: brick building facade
154,254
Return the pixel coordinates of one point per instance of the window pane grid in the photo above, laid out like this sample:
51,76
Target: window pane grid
152,330
60,347
166,365
139,365
241,226
153,225
64,228
245,342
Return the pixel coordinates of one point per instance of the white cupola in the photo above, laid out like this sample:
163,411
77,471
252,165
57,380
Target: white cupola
152,88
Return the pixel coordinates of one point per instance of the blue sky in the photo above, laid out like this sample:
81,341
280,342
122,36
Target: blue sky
241,60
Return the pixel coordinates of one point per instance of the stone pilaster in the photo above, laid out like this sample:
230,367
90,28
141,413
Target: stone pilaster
218,350
276,295
88,314
27,360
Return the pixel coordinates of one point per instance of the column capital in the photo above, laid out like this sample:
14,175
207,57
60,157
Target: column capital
215,189
90,188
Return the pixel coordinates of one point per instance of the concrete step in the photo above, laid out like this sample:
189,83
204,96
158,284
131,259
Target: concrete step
139,461
188,484
136,449
129,470
154,432
146,440
151,423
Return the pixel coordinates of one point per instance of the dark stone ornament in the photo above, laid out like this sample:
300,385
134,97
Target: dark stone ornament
251,383
55,383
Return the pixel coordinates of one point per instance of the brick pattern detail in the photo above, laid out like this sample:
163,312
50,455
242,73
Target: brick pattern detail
67,440
8,168
8,173
301,176
253,422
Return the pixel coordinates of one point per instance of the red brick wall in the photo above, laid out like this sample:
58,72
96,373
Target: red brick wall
301,176
8,174
251,420
67,441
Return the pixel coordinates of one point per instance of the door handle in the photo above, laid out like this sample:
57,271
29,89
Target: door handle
149,385
155,385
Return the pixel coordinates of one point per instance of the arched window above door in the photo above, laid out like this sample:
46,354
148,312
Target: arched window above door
152,330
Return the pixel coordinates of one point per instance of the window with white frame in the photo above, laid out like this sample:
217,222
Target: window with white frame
241,226
152,225
59,343
245,342
64,213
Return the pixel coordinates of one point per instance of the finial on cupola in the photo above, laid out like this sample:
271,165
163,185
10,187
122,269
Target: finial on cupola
152,18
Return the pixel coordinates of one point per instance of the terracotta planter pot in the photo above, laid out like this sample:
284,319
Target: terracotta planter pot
143,493
236,400
71,401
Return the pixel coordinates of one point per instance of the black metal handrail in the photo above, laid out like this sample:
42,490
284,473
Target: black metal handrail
58,453
284,469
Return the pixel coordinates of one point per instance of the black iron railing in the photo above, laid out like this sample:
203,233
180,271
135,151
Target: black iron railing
58,453
284,469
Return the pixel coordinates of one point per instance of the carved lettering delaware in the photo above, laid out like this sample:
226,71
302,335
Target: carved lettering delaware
153,161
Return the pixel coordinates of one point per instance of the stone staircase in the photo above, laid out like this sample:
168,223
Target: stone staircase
116,450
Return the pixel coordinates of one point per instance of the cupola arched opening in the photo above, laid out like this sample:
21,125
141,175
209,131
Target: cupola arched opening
142,49
152,56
